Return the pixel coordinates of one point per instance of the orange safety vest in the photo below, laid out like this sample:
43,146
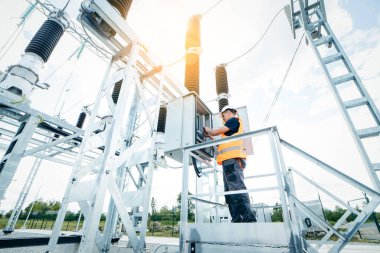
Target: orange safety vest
233,149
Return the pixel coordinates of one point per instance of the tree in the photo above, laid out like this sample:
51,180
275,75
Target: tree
153,204
277,214
190,204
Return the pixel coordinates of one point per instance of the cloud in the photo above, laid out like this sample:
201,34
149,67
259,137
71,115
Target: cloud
341,20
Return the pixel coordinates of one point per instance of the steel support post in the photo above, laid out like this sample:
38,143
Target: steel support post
15,151
66,199
22,197
112,215
183,245
294,217
282,192
105,175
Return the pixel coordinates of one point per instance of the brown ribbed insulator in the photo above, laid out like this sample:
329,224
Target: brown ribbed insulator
161,124
122,6
222,103
192,72
116,91
193,34
221,80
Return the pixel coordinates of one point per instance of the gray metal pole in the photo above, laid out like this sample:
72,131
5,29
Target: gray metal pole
31,208
183,246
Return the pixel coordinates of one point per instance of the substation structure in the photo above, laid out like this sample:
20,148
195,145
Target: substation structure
149,118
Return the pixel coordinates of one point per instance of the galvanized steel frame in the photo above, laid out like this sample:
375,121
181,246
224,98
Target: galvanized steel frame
291,205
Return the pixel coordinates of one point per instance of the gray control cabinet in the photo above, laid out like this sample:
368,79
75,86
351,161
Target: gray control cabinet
186,117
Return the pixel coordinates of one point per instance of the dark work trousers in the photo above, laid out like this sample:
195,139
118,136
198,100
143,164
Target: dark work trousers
233,178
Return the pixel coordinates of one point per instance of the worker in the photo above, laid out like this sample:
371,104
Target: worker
233,158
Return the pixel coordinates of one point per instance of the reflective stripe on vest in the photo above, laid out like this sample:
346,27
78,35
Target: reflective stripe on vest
233,149
228,149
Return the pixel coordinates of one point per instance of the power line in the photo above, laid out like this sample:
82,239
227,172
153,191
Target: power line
270,110
13,41
67,3
257,42
212,7
175,62
62,64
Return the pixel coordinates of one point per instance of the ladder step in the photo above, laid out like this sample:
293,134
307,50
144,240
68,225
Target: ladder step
355,103
343,79
376,166
369,132
316,24
323,40
332,58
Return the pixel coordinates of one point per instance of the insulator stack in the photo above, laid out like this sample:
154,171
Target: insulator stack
221,86
122,6
192,72
116,91
193,34
161,124
193,50
222,103
56,136
81,119
46,39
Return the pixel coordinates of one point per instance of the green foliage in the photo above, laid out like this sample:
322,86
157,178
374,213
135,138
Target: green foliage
334,215
191,207
277,214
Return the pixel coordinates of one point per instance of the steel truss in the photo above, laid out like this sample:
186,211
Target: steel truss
49,138
26,132
313,19
201,235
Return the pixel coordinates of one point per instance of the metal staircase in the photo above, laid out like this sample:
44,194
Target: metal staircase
319,34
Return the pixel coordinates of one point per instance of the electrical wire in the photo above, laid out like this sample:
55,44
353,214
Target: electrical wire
67,3
257,42
175,62
13,41
63,88
270,110
61,65
212,7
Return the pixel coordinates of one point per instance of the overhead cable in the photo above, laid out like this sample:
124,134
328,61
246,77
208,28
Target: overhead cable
270,110
257,42
212,7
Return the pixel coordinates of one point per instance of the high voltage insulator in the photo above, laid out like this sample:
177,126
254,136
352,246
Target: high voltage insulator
122,6
222,102
56,135
23,77
161,124
193,34
116,91
193,50
221,86
46,39
81,119
221,79
192,72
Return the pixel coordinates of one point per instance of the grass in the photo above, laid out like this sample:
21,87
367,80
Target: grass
46,224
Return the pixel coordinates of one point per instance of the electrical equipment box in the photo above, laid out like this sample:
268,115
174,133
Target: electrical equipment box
186,117
243,114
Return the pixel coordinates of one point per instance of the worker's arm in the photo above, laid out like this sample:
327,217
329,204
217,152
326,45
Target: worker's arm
217,131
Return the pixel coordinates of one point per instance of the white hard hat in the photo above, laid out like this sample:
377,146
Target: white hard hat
227,107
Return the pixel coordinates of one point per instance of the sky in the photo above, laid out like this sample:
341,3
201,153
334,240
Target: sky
306,113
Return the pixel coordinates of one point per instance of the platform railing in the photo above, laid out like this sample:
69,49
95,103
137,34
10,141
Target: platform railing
291,205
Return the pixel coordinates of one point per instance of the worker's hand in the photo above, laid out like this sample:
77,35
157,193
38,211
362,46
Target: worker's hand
206,130
206,133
